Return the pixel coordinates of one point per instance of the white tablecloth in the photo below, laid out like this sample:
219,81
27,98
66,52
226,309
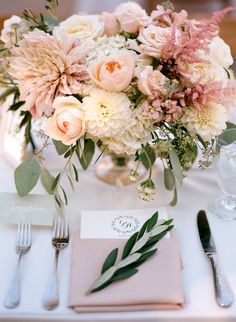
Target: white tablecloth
198,188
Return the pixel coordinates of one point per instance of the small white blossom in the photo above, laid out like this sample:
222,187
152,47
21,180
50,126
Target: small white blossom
146,190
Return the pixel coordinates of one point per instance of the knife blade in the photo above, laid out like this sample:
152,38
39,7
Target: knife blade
223,291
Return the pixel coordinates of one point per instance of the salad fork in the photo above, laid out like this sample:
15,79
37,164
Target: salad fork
23,245
60,240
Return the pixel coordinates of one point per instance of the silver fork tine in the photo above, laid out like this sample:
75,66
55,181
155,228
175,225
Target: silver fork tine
18,233
23,244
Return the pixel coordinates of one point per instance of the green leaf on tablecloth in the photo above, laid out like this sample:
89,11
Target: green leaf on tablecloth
135,253
129,245
60,147
47,180
110,260
87,154
169,179
152,221
124,273
26,176
175,163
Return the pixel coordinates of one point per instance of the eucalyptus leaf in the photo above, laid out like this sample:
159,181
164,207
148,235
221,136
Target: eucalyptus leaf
148,157
76,173
110,260
26,176
55,182
169,179
47,180
175,163
71,182
174,200
16,106
60,147
86,157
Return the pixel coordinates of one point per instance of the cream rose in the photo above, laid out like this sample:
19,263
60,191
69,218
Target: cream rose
152,82
67,123
111,24
83,27
131,16
153,39
220,52
114,73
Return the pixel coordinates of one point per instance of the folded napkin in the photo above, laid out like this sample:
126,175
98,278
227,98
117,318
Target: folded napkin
157,285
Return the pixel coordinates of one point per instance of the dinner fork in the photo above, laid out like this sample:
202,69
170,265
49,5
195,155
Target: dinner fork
23,245
60,240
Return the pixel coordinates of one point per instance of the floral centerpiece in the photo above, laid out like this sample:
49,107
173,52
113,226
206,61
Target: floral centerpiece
148,86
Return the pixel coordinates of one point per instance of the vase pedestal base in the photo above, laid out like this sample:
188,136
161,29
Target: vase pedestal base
115,172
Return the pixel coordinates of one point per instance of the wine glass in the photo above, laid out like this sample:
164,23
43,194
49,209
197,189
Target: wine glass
224,164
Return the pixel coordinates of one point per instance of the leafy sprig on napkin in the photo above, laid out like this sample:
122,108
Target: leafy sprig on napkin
136,251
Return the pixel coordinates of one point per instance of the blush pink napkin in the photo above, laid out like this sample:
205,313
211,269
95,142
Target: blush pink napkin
157,285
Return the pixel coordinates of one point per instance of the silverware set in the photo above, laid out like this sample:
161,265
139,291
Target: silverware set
60,240
223,292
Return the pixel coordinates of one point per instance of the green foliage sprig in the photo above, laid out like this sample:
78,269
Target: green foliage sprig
137,250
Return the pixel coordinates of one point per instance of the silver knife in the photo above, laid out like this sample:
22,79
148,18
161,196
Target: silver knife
223,292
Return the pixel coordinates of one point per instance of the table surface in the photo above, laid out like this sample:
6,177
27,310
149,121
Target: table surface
199,187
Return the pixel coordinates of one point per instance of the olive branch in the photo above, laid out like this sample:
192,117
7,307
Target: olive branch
136,251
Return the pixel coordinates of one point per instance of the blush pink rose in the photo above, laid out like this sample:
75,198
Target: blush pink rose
111,24
153,39
131,16
67,124
152,83
114,73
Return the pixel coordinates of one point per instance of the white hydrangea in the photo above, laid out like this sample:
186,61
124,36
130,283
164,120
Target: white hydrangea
106,46
208,123
138,132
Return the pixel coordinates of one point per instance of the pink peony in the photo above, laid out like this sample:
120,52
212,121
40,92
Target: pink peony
131,16
152,83
47,66
114,73
111,24
153,39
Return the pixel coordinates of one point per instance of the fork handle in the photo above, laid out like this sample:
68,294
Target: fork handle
51,295
12,298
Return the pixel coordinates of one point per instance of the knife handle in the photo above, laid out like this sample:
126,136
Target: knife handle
224,294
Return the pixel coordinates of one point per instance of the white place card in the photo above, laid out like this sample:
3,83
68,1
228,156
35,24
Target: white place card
116,224
39,209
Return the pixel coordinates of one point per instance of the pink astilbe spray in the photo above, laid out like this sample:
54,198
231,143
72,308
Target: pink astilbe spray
189,36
